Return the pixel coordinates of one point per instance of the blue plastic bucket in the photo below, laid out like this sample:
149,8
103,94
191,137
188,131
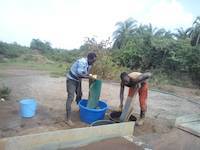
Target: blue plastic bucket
89,115
28,107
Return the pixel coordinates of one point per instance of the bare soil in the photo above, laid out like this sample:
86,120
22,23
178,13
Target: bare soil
111,144
50,94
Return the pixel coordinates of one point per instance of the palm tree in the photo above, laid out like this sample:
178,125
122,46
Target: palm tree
181,33
144,29
194,32
162,33
123,32
168,34
151,31
159,32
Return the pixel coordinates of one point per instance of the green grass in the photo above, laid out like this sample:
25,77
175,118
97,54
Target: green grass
57,69
160,78
54,69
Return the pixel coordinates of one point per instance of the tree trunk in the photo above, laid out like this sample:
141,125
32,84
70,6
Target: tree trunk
198,38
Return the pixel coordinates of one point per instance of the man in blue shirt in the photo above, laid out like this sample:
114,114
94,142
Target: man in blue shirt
80,69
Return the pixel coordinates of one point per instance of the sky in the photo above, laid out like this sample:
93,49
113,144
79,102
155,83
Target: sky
67,23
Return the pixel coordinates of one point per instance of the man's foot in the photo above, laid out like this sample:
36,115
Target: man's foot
140,122
69,122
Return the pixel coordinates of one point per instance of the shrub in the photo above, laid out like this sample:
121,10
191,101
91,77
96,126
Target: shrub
5,92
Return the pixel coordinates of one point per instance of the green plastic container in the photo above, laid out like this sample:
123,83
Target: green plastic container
94,94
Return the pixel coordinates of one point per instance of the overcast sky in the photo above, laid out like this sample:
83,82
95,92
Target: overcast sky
65,23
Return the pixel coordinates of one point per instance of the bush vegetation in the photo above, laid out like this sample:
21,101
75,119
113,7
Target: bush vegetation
173,57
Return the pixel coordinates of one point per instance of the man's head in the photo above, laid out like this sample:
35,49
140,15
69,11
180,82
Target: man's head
91,58
125,78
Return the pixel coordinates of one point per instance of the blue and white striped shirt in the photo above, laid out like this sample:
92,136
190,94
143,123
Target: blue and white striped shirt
79,69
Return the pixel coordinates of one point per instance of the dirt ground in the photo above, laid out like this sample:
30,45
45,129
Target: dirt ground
50,94
111,144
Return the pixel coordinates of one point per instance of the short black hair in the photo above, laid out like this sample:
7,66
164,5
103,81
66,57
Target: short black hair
123,74
91,55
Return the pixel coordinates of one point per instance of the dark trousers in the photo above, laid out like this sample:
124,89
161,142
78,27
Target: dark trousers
72,88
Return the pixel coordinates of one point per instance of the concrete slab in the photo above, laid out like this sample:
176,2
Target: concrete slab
189,123
175,140
187,118
67,138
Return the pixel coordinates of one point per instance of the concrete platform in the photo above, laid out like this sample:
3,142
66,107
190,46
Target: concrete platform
70,138
189,123
175,140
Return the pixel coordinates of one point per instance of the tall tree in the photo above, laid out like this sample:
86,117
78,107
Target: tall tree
181,33
39,45
194,32
146,29
123,32
143,30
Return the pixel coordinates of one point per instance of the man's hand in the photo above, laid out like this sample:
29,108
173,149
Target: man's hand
91,76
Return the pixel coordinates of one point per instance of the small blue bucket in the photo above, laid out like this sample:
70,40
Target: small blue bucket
89,115
28,108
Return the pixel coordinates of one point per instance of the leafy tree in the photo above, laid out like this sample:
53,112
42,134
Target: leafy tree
194,32
39,45
12,50
123,32
148,48
181,33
